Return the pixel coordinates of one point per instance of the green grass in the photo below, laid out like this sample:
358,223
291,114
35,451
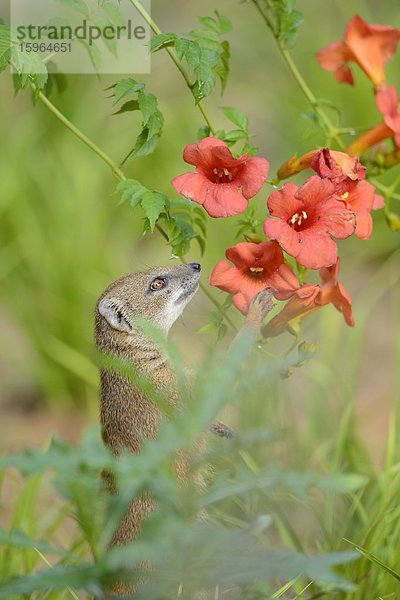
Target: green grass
267,513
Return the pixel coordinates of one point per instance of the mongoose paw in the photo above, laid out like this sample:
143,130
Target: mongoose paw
262,304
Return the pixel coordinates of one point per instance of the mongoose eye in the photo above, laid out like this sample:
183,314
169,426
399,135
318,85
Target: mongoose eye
158,283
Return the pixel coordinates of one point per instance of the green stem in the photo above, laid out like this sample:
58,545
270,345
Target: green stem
154,27
330,128
79,134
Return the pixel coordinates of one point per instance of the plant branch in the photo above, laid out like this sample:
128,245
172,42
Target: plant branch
154,27
330,128
79,134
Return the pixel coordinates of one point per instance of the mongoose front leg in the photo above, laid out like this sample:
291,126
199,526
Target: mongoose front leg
260,306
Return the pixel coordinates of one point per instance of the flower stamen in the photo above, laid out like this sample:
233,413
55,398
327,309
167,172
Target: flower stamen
298,218
256,269
223,174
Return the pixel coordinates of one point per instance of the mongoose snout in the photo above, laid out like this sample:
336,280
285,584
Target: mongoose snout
158,295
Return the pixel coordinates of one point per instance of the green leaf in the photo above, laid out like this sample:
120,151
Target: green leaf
129,106
155,124
222,70
210,23
289,29
145,145
225,25
153,203
234,135
5,45
236,117
19,539
131,191
164,40
123,87
29,66
147,105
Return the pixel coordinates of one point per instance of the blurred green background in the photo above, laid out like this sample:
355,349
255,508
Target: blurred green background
63,237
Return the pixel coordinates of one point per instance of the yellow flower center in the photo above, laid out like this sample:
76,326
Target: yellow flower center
298,217
256,269
345,196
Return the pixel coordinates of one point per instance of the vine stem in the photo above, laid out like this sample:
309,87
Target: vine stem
331,129
79,134
119,174
154,27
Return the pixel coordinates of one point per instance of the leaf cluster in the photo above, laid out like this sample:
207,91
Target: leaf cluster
146,103
287,21
181,222
206,55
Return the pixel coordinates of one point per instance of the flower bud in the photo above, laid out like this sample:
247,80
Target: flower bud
393,220
306,351
254,238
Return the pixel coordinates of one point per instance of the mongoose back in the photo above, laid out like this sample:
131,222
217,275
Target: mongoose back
127,416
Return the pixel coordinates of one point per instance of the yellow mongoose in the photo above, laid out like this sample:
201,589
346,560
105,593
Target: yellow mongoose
127,416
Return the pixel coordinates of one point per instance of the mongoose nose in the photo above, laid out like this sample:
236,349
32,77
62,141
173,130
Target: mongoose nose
195,266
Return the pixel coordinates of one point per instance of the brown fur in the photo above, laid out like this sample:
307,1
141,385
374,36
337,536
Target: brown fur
127,416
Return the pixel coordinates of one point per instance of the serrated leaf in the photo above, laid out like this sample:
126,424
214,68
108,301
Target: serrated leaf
225,25
147,105
234,135
123,87
181,46
131,191
236,117
145,145
29,66
153,204
163,40
129,106
210,23
155,124
223,68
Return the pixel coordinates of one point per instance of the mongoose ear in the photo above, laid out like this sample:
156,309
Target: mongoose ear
114,312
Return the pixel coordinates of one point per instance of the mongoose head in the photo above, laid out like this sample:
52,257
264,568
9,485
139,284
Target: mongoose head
158,295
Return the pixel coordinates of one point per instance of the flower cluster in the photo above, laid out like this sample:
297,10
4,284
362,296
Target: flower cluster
371,47
303,222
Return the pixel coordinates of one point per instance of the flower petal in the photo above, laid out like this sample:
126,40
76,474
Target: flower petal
334,58
286,236
193,186
283,203
224,200
253,176
247,254
316,249
241,302
314,191
225,277
285,282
